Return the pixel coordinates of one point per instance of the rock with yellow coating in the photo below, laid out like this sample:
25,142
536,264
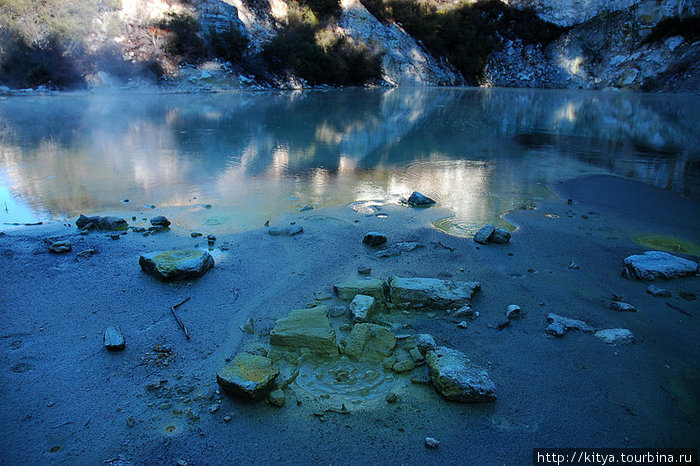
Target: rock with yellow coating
457,379
369,342
248,376
373,287
179,264
306,328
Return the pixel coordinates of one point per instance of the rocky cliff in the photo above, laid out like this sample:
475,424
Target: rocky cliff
219,44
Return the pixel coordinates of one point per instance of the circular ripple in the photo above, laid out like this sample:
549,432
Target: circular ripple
344,378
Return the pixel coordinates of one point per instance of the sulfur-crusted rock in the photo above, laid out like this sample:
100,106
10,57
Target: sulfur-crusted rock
178,264
361,307
457,379
615,336
309,328
431,293
373,287
369,342
248,376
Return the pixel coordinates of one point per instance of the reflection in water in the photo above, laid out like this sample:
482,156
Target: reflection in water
255,155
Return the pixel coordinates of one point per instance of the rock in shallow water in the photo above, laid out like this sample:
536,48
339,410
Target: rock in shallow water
457,379
160,221
484,234
177,264
653,265
249,376
432,293
417,199
308,328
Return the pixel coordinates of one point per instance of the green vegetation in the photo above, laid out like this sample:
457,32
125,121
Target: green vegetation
318,55
465,34
229,44
181,32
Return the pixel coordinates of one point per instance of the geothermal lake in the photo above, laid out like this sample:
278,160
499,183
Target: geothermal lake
229,162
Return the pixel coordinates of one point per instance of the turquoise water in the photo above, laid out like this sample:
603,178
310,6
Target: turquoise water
232,161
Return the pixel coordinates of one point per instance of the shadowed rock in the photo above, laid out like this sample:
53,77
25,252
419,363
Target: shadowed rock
417,199
113,339
457,379
361,307
558,325
249,376
369,342
432,293
653,265
308,328
160,221
484,234
101,223
373,287
374,239
59,247
179,264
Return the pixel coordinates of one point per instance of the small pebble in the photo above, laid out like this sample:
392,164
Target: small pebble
431,443
130,422
463,324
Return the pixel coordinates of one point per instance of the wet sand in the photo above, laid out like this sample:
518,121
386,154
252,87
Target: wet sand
65,399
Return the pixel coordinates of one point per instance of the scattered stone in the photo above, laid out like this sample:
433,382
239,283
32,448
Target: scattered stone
432,293
213,408
130,421
615,336
558,325
195,234
417,199
369,342
248,376
115,235
227,418
289,231
153,384
463,324
336,311
622,307
657,292
59,247
160,221
138,229
86,223
211,239
391,397
157,229
249,326
373,287
277,398
112,223
361,307
416,354
687,296
464,311
405,365
308,328
484,234
374,239
431,443
500,236
574,266
305,208
345,327
513,311
652,265
364,270
457,379
423,341
177,264
113,339
398,248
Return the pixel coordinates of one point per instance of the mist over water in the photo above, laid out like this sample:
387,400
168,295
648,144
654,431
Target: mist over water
228,162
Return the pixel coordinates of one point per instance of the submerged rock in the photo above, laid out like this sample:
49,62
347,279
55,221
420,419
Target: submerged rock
374,239
113,339
369,342
622,307
87,222
308,328
60,247
615,336
431,293
177,264
457,379
361,307
558,325
249,376
417,199
653,265
373,287
484,234
657,292
102,223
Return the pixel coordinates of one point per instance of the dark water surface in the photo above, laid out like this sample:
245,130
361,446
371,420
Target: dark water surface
228,162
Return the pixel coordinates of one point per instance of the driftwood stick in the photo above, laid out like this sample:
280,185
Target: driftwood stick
177,319
439,243
676,308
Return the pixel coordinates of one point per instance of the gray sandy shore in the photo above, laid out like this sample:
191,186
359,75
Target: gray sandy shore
65,399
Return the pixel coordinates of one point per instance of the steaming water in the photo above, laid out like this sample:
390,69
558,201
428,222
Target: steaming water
228,162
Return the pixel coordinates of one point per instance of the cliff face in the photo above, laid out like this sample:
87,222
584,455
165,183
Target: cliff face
218,44
604,48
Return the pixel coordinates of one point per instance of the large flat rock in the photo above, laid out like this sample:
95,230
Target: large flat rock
431,293
654,265
373,287
181,264
309,328
457,379
249,376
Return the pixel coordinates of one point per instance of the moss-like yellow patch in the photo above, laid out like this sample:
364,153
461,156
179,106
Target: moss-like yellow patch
668,243
168,261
